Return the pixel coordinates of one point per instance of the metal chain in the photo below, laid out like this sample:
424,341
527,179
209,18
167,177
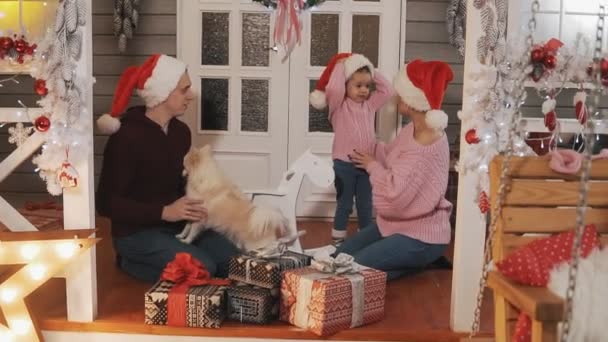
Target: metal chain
519,86
584,182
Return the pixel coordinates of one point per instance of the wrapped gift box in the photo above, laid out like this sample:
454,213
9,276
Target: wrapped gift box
326,303
265,272
205,305
252,304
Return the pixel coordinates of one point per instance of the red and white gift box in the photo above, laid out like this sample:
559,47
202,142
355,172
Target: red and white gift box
332,295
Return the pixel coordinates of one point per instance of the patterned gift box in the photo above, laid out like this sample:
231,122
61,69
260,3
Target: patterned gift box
205,305
265,272
252,304
326,303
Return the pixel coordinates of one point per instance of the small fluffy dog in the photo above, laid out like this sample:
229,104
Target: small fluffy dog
229,212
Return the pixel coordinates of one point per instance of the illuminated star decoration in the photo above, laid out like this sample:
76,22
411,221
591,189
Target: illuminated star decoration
43,254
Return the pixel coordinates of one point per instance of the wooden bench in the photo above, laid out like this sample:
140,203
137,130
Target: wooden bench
540,202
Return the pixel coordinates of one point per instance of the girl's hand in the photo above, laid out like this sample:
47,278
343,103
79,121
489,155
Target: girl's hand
360,159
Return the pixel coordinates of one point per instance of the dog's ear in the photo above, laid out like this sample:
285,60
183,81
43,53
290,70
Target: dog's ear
206,150
191,160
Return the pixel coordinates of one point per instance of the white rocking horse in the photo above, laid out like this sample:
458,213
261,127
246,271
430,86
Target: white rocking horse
285,196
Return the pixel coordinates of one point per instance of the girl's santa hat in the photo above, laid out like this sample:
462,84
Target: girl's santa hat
352,63
154,81
421,85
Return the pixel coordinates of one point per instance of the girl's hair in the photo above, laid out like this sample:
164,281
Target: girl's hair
364,69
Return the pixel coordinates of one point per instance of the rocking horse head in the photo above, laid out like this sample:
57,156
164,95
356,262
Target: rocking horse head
319,171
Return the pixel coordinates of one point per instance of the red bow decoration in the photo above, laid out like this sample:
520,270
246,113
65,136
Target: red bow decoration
185,272
552,45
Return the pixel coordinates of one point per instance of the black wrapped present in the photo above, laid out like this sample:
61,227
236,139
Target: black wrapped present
205,306
186,296
252,304
265,271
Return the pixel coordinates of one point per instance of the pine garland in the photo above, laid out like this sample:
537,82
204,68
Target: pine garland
126,18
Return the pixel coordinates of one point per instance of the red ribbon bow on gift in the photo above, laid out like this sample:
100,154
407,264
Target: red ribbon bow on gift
185,272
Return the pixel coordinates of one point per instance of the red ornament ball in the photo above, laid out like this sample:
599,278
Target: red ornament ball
550,62
20,46
40,87
604,67
537,55
6,43
42,123
471,137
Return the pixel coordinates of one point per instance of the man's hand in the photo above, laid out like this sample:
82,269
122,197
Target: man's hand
360,159
184,209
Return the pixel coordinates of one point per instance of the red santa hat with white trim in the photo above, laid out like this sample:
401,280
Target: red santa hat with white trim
352,63
154,80
421,85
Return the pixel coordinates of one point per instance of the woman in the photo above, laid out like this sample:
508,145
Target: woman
409,179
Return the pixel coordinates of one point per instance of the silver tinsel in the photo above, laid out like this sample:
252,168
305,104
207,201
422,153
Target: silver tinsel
126,17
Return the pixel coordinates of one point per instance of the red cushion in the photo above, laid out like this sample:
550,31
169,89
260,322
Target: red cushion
531,264
523,329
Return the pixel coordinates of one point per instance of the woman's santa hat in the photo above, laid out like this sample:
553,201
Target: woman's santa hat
421,85
352,63
154,81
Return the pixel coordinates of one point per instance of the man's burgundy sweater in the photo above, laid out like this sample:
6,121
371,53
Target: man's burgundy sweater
141,172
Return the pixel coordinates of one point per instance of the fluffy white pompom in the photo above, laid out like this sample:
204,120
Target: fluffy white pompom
548,106
317,99
108,124
580,96
437,119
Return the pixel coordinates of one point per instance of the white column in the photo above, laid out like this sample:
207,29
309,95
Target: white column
79,203
470,226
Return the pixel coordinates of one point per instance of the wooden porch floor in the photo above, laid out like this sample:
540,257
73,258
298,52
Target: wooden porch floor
417,308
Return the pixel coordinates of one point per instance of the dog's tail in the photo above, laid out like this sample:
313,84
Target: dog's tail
265,221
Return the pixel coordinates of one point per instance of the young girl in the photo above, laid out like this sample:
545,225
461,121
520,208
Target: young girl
409,179
344,87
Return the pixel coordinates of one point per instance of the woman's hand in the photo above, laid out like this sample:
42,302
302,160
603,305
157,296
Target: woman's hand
360,159
185,209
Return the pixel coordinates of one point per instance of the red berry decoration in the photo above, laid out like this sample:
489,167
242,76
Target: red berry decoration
550,61
40,87
550,120
484,202
6,43
604,67
471,137
42,123
20,46
537,55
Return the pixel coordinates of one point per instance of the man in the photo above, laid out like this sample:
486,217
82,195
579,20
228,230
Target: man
141,188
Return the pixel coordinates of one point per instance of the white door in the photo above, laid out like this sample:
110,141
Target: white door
371,28
243,88
254,109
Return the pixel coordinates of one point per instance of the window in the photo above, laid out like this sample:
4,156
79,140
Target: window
561,19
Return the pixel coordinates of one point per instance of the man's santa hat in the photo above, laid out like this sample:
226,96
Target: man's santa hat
154,81
352,63
421,85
